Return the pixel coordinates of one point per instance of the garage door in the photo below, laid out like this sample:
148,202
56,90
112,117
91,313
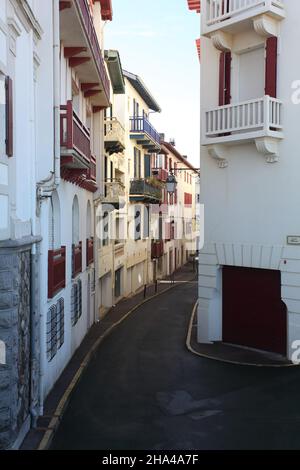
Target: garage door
253,312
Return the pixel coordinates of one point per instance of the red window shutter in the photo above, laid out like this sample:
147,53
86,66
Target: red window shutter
9,117
225,78
271,67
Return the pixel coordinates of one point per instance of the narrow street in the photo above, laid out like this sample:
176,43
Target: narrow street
144,390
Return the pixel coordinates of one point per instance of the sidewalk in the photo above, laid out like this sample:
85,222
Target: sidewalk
232,354
57,400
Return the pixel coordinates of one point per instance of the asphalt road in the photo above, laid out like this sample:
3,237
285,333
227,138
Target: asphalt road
144,390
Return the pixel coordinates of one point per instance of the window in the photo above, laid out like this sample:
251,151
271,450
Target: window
137,223
55,329
60,322
75,222
105,228
137,163
2,116
76,302
9,116
118,283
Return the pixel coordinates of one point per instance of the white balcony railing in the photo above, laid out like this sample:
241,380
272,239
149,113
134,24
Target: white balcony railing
263,114
221,10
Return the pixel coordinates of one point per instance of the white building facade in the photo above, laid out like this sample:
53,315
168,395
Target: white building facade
54,90
249,284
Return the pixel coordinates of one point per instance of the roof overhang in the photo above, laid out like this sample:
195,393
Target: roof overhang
114,66
142,90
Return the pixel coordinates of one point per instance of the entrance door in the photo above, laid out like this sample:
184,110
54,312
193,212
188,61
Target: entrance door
118,275
253,312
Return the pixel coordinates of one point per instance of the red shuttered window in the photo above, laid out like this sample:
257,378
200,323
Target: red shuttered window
225,78
271,67
9,117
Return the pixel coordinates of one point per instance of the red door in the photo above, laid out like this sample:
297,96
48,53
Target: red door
253,312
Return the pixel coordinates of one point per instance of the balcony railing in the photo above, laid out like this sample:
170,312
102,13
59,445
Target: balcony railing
56,271
143,189
114,135
74,136
89,251
114,193
157,249
142,124
261,117
218,11
160,174
91,35
76,259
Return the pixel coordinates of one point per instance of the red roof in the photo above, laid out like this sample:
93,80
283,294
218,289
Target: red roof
194,5
166,147
106,10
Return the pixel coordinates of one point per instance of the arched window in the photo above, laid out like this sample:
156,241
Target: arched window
89,231
75,222
54,222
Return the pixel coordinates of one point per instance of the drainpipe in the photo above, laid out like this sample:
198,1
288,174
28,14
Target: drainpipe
56,90
46,187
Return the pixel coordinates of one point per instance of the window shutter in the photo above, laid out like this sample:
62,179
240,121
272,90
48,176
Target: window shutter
222,79
225,78
271,67
9,117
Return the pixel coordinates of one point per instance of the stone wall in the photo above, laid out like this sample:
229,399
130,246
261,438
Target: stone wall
15,333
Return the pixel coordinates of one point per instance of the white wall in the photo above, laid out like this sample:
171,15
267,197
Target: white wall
252,206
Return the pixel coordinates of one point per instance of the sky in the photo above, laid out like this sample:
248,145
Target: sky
156,40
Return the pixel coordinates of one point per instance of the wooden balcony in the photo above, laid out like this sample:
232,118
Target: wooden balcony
114,136
259,121
75,139
56,271
76,259
114,194
82,48
157,249
145,134
233,16
92,173
144,190
89,251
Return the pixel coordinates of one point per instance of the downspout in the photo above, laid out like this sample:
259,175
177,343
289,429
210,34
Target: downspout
47,186
56,90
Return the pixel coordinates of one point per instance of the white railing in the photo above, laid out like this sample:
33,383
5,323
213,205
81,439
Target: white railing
260,114
220,10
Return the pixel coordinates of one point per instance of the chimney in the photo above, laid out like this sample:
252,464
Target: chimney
162,137
172,142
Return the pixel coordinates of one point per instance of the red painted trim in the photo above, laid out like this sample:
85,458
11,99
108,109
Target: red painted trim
56,271
271,67
9,140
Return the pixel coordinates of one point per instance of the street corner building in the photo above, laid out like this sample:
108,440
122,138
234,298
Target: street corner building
250,265
83,177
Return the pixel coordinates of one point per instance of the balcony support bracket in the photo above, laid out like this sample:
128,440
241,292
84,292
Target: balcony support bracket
222,41
268,147
219,153
266,26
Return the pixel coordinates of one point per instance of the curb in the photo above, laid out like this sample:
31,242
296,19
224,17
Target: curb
63,403
218,359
